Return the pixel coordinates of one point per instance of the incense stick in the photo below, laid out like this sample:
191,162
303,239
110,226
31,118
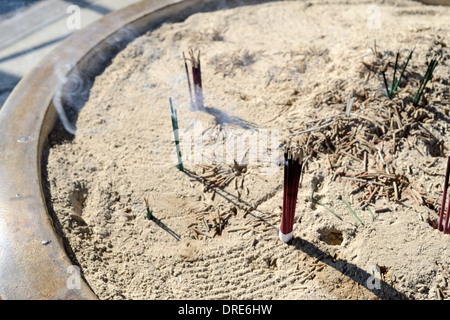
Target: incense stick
351,210
444,196
318,202
297,172
293,160
446,226
373,216
403,71
285,186
395,81
196,104
149,212
174,117
424,81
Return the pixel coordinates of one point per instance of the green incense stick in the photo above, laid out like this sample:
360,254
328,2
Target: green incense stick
149,212
351,210
395,80
373,216
424,81
403,71
176,136
395,73
318,202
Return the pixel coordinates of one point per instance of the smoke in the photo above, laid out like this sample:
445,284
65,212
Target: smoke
76,82
71,89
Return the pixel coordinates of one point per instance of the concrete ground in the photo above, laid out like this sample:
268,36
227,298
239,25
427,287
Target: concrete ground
29,29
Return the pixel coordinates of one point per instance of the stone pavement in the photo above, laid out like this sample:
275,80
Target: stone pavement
29,29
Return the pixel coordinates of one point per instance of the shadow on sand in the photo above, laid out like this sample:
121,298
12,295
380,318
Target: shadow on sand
377,286
160,224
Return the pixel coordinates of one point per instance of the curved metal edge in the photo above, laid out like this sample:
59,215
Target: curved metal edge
436,2
34,264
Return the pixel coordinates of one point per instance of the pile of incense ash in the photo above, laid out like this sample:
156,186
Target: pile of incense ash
360,143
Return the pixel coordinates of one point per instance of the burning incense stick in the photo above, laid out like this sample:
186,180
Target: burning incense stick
293,159
174,117
196,104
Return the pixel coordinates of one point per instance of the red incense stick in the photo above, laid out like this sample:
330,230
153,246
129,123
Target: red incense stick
288,213
292,171
284,227
297,169
285,188
198,84
196,79
446,226
444,197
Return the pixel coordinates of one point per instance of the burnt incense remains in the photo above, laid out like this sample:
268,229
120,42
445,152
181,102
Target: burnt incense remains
197,97
445,228
293,159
